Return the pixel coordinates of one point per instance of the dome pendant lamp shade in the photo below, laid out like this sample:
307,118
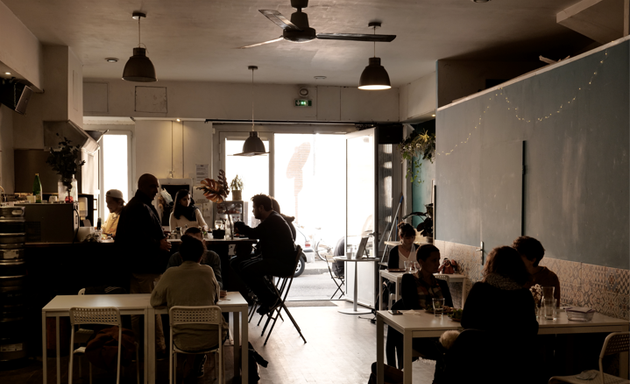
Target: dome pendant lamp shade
374,76
253,146
139,67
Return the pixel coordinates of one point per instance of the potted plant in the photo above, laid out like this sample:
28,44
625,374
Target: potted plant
425,229
237,187
66,160
417,145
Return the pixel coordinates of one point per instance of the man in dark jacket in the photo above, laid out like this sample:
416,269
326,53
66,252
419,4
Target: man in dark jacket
275,252
142,242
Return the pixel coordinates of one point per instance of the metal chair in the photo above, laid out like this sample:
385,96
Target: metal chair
282,291
103,316
337,279
614,343
187,315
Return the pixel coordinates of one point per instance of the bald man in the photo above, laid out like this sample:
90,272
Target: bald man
142,242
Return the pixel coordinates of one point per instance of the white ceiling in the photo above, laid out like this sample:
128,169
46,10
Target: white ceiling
198,39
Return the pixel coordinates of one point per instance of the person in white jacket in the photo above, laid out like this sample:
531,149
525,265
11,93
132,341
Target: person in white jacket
185,214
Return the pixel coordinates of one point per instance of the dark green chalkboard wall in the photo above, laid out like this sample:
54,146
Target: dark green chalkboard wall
546,156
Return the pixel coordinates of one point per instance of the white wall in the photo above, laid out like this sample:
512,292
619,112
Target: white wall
418,99
229,101
19,48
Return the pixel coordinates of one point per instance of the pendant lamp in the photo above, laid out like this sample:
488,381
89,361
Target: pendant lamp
253,146
139,67
374,76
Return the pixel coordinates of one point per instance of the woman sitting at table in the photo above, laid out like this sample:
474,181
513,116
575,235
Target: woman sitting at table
185,213
115,203
499,320
406,251
418,291
190,284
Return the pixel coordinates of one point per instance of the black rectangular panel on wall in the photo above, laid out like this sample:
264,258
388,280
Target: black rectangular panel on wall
575,121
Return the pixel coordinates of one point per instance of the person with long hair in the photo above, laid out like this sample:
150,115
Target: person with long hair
406,251
185,213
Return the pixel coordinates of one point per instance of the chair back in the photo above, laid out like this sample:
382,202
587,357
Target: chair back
106,316
616,342
441,277
210,314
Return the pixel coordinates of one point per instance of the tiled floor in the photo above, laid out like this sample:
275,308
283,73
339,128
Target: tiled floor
339,349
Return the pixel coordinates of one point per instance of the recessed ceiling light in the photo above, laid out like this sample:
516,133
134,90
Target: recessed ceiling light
7,73
320,77
480,1
111,59
433,115
179,120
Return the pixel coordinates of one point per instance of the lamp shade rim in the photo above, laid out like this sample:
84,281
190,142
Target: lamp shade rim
374,76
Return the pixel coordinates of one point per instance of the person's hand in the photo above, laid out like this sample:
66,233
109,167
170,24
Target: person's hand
238,225
165,245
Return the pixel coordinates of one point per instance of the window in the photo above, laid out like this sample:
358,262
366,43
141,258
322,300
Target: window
115,149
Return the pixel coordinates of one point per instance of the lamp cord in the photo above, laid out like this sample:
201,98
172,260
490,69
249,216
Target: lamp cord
139,37
252,99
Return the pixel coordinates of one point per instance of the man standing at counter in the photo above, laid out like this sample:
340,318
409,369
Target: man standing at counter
276,252
142,241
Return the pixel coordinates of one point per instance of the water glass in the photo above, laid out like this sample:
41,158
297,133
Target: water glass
407,265
549,303
438,307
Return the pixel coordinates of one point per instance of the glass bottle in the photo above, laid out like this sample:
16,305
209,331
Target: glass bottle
37,189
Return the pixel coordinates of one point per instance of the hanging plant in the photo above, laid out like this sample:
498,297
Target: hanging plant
66,161
419,145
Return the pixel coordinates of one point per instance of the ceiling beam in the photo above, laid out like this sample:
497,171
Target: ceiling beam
600,20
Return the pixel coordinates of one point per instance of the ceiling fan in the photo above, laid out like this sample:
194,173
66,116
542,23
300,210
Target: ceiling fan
297,29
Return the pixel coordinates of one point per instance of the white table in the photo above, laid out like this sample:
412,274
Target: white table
134,304
413,324
139,304
396,277
355,310
234,303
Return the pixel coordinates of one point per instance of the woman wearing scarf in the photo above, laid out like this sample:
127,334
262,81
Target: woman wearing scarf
185,214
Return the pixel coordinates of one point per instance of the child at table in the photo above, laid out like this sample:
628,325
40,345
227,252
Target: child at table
190,284
417,291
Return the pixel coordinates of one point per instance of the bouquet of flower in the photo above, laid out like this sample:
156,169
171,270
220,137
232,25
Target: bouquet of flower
537,293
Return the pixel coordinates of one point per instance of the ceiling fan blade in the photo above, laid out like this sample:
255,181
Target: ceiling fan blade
356,37
277,18
263,43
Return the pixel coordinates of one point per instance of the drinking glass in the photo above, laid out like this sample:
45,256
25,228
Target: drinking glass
407,266
218,224
548,303
438,307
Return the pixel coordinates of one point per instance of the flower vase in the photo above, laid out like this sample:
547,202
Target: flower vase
67,189
237,195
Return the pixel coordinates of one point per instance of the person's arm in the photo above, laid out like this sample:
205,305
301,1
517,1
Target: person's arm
446,292
214,260
158,295
409,292
200,221
172,222
472,307
392,262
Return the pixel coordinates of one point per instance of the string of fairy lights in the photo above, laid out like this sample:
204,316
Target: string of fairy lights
499,94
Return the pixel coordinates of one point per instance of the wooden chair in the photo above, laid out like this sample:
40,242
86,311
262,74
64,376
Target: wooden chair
187,315
614,343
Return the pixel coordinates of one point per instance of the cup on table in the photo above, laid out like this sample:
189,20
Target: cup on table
549,303
31,199
52,199
407,265
438,307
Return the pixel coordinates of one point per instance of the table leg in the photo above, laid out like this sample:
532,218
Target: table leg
244,346
58,348
44,354
381,291
149,346
354,310
380,367
236,335
407,355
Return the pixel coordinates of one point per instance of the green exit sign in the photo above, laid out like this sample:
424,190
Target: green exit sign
303,103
